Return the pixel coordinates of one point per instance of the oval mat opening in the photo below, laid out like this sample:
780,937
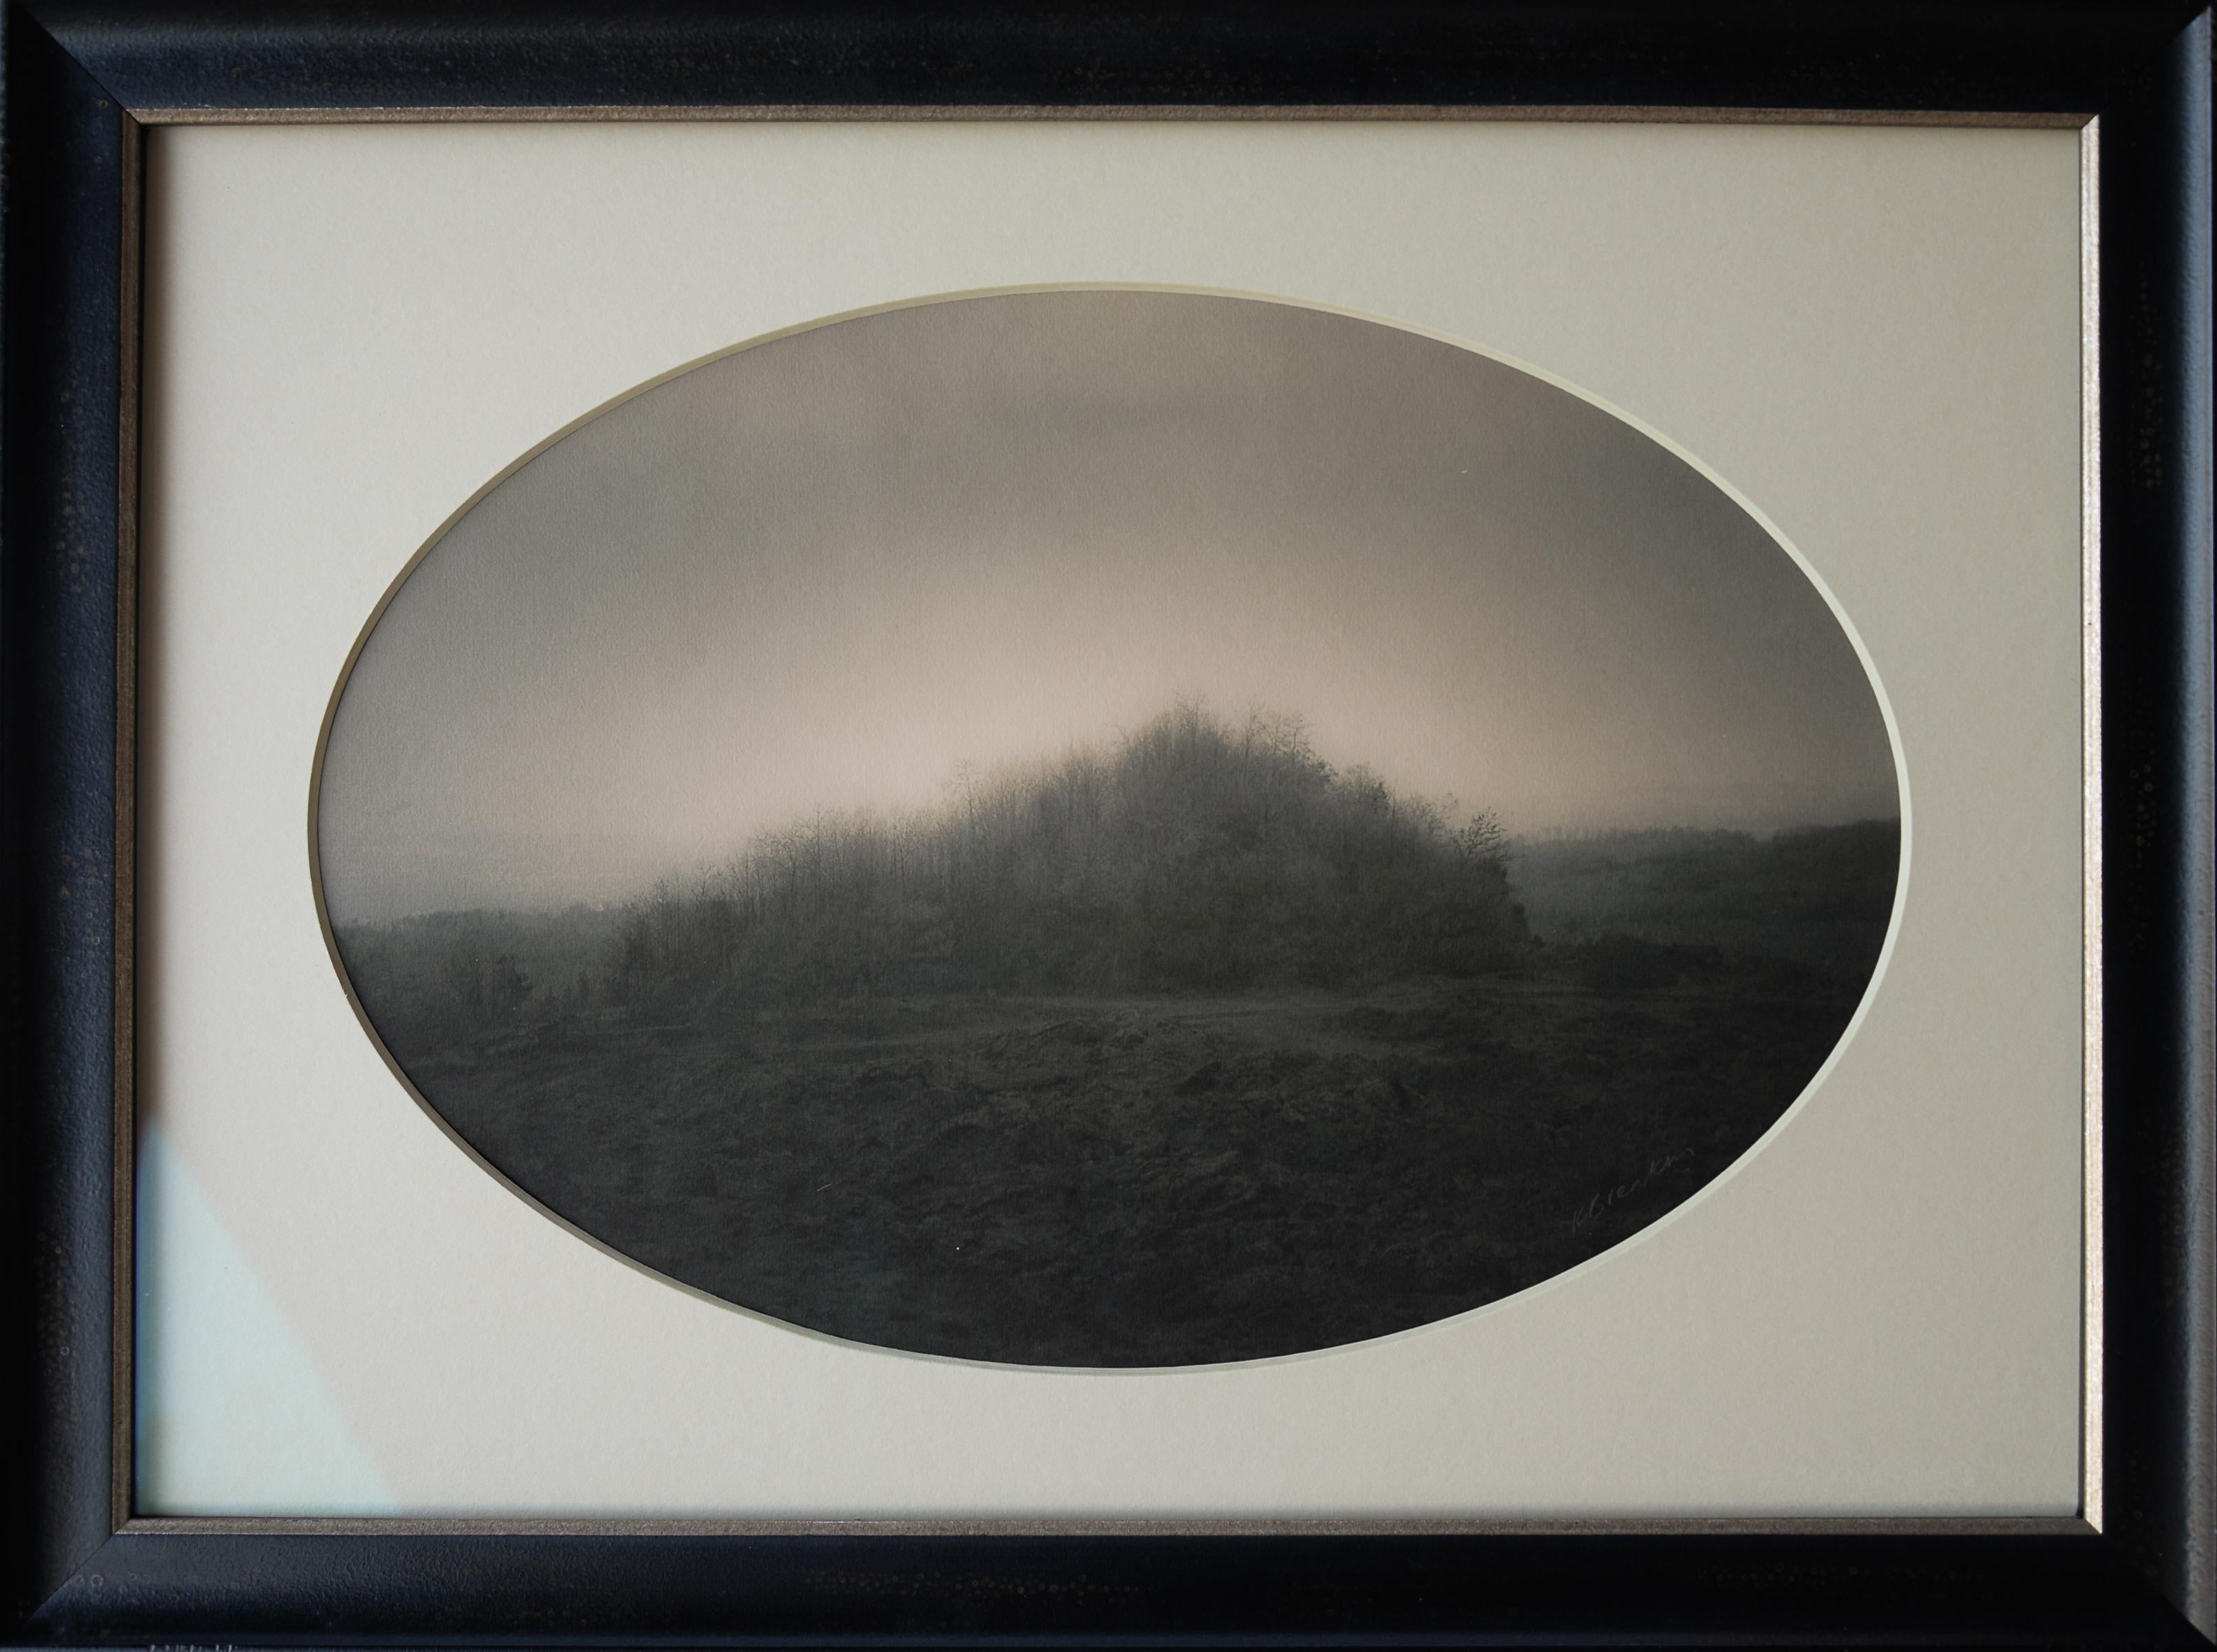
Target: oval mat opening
1107,828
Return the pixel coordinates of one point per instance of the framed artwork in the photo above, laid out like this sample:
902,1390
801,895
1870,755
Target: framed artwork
886,826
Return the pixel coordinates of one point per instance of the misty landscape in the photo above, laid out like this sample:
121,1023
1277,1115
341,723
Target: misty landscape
1107,829
1195,1050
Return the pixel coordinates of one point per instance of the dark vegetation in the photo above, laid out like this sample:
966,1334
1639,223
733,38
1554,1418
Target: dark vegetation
1820,898
1195,858
1194,1050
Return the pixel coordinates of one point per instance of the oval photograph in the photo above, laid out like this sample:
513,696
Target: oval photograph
1107,828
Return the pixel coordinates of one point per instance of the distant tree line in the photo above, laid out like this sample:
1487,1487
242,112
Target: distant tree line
447,977
1821,896
1195,854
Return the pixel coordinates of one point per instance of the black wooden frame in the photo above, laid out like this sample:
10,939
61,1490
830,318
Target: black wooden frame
81,76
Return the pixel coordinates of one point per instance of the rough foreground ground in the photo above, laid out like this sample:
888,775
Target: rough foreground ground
1144,1181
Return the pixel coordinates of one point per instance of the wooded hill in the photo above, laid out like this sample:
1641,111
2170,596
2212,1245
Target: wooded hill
1193,854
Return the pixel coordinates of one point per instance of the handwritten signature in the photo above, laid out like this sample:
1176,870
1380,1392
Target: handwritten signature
1602,1204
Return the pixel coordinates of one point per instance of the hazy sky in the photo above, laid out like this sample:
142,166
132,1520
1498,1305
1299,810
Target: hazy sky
820,573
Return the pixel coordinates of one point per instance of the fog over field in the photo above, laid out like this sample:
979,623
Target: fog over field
838,571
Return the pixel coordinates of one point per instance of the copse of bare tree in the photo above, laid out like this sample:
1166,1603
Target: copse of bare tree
1193,854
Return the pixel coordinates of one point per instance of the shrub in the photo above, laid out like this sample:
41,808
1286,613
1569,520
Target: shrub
1194,855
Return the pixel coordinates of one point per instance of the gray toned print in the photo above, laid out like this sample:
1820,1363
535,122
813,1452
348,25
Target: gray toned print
1108,829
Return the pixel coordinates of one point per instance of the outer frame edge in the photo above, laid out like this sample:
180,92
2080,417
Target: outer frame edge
57,630
2201,1598
487,54
2160,1410
2198,71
